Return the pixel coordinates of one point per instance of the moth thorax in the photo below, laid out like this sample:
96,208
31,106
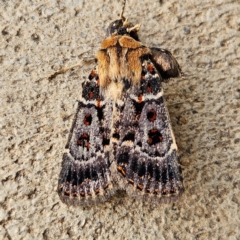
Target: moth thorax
114,90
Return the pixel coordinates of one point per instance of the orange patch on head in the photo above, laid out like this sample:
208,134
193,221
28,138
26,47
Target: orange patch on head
140,186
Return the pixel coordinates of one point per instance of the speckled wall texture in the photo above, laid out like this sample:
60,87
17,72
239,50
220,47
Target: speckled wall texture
39,37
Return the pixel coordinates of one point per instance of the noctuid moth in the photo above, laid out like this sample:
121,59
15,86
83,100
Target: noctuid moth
121,137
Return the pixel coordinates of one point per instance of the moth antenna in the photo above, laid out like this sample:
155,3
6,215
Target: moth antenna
123,8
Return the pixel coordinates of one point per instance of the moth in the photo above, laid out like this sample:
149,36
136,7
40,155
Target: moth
121,137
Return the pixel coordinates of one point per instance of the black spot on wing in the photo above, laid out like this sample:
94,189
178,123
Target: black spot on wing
116,135
90,90
91,87
150,81
126,84
129,137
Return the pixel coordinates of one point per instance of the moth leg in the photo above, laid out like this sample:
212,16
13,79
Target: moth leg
65,69
165,63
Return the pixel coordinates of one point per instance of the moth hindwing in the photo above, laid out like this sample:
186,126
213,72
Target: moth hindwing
121,137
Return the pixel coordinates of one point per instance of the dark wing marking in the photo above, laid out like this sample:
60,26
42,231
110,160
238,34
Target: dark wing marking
85,176
165,63
145,150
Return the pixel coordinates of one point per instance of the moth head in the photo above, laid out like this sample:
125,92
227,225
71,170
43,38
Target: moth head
123,27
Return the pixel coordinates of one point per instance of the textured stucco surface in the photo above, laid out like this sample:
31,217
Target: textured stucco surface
39,37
